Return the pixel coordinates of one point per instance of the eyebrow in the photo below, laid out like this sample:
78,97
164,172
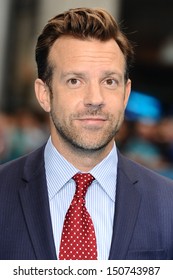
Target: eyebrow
111,73
73,73
107,72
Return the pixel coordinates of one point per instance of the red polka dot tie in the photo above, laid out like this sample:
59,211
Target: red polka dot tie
78,241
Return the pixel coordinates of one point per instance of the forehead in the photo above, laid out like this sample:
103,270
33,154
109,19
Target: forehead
68,50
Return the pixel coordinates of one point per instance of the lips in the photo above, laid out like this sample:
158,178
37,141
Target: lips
95,122
94,118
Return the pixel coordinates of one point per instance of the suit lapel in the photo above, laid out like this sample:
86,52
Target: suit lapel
126,210
35,204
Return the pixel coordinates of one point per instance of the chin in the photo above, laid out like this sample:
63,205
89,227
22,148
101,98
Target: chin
90,147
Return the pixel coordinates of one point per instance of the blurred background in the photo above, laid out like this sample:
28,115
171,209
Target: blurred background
147,133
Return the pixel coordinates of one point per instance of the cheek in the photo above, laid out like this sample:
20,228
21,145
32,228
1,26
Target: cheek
116,104
62,108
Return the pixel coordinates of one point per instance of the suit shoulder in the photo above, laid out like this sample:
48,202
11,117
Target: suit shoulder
140,172
15,167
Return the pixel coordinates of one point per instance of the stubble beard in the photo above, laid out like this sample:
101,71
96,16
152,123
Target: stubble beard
90,141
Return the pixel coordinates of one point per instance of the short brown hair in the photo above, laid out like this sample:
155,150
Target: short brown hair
81,23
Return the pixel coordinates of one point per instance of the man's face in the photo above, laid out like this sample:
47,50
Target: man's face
89,92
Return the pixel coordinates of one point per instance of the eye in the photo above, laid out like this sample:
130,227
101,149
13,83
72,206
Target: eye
74,83
110,83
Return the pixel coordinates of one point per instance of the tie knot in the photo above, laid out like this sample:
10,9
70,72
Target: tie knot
83,181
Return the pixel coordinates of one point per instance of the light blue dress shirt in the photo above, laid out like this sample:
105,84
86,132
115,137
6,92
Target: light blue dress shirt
100,197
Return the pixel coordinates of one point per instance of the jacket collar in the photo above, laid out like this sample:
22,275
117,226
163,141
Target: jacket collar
127,207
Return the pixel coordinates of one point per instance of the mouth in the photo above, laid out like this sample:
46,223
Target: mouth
92,117
92,121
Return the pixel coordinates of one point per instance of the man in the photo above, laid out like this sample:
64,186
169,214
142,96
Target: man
83,62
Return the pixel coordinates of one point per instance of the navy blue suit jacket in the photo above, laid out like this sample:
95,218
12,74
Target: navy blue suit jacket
143,220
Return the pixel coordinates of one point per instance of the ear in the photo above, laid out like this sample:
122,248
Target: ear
127,92
42,94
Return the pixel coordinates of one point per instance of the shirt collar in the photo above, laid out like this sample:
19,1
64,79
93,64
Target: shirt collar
59,171
106,173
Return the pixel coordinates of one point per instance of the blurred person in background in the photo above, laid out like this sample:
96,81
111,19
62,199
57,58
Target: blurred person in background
146,132
3,142
7,132
165,141
146,146
20,133
83,83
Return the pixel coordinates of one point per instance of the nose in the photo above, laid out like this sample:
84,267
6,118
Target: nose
94,96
